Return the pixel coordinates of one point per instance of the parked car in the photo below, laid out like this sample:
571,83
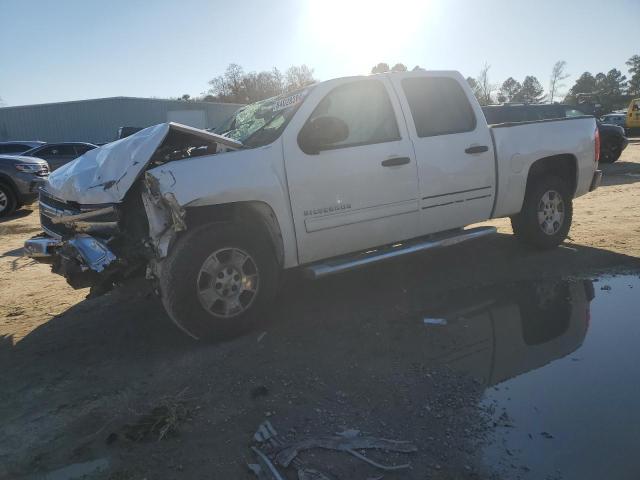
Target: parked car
612,138
619,119
16,148
331,177
58,154
20,179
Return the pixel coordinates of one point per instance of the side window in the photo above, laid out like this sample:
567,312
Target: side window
438,106
365,108
82,149
49,151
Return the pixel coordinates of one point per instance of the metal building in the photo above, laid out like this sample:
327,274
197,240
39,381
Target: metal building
98,120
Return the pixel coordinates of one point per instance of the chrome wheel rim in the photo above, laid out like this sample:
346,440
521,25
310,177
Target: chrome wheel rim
551,212
227,283
4,201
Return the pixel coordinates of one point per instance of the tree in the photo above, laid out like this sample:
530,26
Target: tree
557,75
509,89
484,86
236,86
531,91
586,83
299,77
399,67
633,63
186,97
380,68
474,86
612,89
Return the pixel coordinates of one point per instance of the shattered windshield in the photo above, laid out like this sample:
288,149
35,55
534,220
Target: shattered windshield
262,122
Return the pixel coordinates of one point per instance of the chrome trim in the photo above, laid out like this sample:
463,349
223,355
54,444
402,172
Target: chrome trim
75,217
343,264
39,247
95,253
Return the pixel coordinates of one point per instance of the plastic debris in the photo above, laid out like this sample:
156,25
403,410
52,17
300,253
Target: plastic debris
435,321
287,454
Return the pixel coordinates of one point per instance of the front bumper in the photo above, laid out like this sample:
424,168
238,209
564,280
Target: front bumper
597,179
79,259
41,247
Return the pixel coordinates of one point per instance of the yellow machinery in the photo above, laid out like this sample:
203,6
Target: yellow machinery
633,114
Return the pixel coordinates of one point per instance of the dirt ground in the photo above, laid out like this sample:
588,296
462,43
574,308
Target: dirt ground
81,377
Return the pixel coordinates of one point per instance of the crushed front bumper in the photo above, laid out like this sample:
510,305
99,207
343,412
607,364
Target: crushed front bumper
597,179
79,259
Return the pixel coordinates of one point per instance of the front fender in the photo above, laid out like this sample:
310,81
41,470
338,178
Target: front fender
255,175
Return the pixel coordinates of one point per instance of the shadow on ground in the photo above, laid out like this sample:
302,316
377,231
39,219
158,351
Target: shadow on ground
620,173
332,357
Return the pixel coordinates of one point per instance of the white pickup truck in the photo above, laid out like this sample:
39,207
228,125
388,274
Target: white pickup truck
334,176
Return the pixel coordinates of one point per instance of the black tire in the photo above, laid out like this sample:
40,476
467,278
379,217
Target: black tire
8,200
610,151
181,279
527,226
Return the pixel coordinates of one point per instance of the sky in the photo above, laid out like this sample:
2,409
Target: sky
75,49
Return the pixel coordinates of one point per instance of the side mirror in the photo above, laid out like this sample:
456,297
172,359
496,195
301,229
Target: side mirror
320,133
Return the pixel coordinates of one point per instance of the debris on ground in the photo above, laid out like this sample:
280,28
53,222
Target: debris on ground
163,420
435,321
272,452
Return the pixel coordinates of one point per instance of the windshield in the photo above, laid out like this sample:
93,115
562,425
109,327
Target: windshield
262,122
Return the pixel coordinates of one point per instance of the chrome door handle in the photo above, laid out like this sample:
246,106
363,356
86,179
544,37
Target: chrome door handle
394,162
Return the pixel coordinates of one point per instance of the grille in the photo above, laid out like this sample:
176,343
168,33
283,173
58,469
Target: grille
51,207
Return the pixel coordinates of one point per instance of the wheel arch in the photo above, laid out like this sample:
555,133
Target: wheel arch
564,166
252,212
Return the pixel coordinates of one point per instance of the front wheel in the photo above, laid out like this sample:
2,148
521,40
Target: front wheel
545,218
8,201
218,279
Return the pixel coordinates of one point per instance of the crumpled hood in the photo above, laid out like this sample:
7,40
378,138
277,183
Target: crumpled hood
105,174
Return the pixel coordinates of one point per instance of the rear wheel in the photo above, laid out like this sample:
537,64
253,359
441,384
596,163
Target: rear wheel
545,218
218,279
610,151
8,201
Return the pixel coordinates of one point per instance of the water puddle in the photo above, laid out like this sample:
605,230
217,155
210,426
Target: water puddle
561,366
76,471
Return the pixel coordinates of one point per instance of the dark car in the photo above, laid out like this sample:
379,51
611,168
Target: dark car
612,137
20,179
57,154
18,147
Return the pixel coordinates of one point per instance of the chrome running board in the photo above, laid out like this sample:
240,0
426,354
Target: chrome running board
350,262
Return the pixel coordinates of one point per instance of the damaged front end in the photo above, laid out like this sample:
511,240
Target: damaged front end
103,224
85,244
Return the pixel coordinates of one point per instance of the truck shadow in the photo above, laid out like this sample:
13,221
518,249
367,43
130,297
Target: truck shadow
130,322
620,173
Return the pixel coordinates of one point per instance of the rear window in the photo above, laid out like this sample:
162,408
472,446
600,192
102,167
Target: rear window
438,106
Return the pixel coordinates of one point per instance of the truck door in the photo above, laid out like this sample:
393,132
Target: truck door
454,150
362,190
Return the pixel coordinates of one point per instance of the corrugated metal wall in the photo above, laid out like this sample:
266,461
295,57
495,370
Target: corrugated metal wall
97,120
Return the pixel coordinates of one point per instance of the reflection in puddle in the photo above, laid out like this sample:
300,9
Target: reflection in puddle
519,329
560,364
